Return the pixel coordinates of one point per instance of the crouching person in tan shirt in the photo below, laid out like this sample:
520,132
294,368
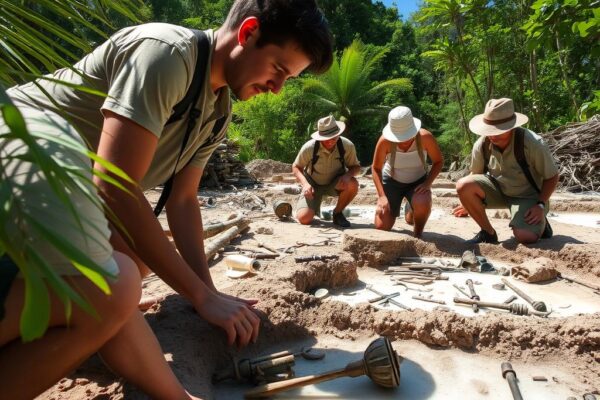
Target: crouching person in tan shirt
326,165
511,167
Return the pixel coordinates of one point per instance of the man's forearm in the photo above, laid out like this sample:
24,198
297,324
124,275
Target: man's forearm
150,243
185,221
299,174
548,187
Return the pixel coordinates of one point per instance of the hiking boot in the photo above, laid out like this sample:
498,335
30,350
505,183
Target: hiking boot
340,220
484,237
547,234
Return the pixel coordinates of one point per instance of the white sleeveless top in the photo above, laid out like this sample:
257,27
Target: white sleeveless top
408,168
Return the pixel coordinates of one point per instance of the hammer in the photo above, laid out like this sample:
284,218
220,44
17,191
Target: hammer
473,295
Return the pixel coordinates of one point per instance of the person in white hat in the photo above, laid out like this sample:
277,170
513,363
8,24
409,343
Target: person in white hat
400,170
511,167
326,165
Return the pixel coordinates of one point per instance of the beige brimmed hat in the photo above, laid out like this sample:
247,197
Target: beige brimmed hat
499,117
328,128
401,125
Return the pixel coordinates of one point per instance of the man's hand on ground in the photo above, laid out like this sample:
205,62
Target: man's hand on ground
534,215
247,302
383,206
308,191
235,317
460,211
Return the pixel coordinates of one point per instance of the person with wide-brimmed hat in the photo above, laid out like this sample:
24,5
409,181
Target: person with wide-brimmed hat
326,165
511,167
400,170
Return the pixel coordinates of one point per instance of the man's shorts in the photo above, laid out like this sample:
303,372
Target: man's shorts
518,206
319,191
396,191
33,195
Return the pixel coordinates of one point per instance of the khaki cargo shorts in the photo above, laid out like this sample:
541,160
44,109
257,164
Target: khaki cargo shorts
89,233
320,191
518,206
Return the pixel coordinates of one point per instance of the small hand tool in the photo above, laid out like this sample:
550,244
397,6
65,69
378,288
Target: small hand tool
510,299
394,302
429,300
473,295
596,288
461,290
509,374
537,305
315,258
384,297
518,309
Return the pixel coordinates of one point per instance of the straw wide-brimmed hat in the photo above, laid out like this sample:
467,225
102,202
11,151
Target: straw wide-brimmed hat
401,125
328,128
499,117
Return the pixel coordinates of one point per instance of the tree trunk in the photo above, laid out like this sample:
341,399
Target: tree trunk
565,75
537,115
462,114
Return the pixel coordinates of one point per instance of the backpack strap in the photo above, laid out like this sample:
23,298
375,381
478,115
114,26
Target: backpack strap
393,151
314,159
487,152
519,148
342,152
420,151
189,100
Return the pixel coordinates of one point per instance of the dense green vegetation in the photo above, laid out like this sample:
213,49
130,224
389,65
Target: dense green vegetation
444,62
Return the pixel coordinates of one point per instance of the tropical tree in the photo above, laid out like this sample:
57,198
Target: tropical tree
348,91
36,38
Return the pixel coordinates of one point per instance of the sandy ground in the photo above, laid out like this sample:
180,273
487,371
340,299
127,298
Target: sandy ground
569,344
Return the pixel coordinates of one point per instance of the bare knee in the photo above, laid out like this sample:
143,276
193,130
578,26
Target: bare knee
466,185
126,289
352,186
525,236
305,216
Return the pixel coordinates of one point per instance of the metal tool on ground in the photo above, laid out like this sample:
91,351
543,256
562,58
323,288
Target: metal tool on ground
316,258
413,279
537,305
510,299
473,295
380,363
461,290
424,290
258,256
416,297
596,288
266,368
509,374
392,301
517,309
384,298
268,248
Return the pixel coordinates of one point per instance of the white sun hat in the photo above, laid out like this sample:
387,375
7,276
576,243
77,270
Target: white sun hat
401,126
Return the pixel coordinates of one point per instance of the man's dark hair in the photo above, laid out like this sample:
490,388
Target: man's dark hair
283,20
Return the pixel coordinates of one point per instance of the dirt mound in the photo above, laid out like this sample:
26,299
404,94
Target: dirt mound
266,168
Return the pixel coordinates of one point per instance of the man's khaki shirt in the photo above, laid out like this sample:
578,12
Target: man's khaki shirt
503,165
328,165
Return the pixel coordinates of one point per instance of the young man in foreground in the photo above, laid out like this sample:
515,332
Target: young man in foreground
146,70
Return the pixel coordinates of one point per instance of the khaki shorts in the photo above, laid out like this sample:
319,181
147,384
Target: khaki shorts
518,206
89,233
320,191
